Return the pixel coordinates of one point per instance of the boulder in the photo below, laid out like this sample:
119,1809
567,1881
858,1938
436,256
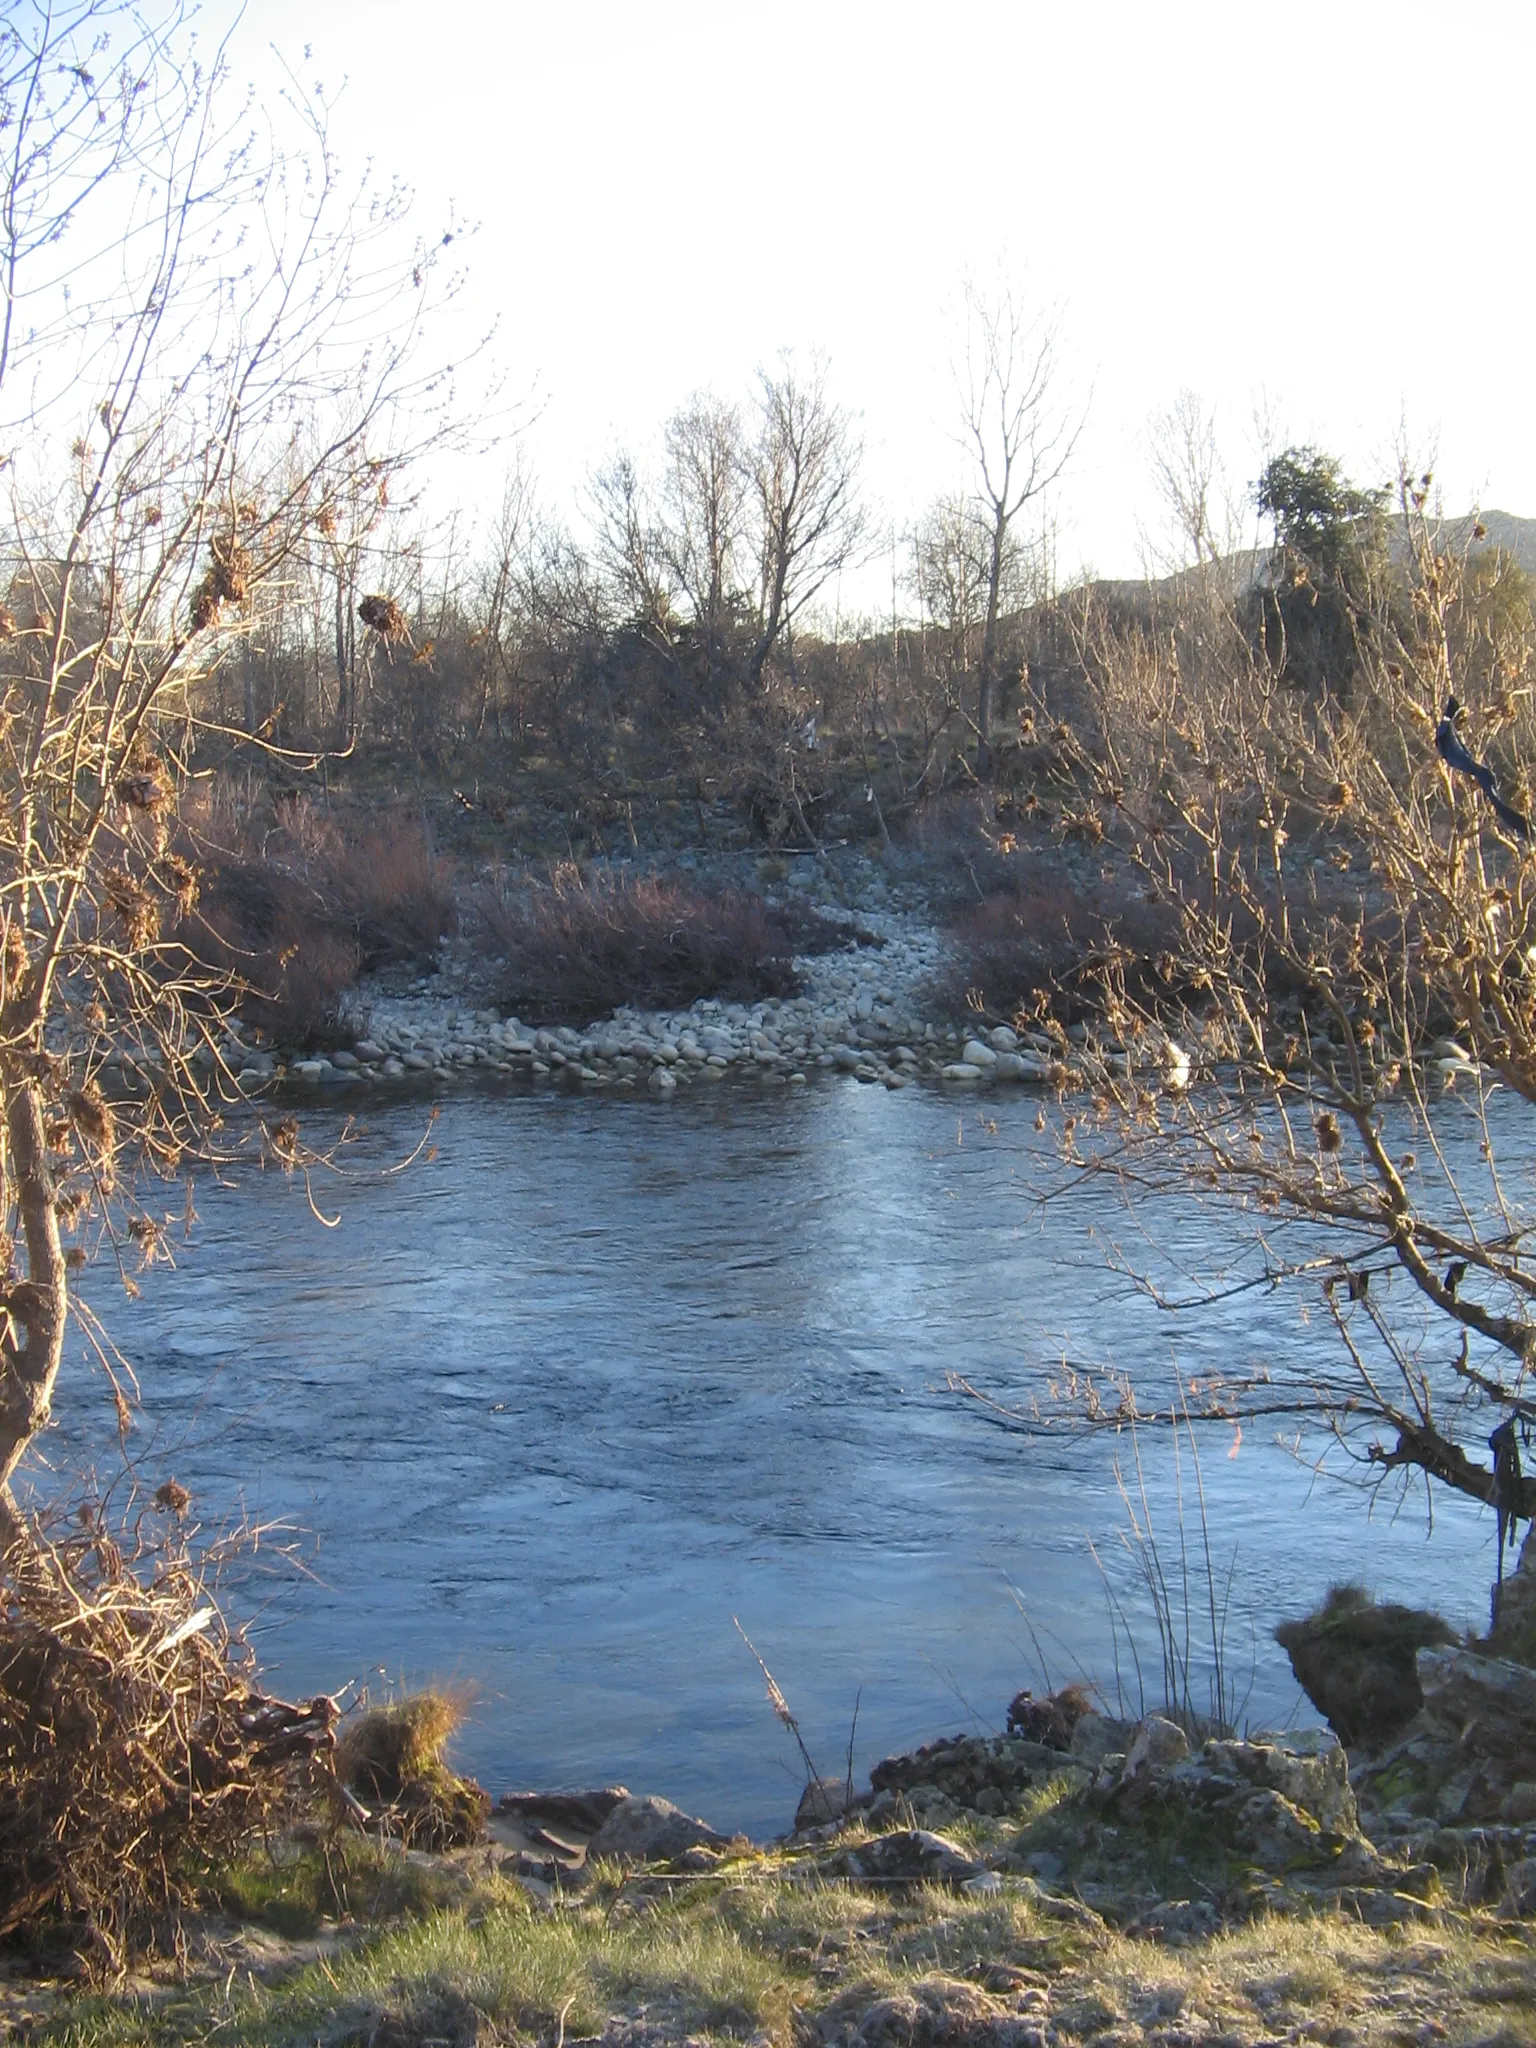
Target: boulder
824,1800
1284,1806
1097,1736
1486,1705
1354,1659
908,1856
650,1830
577,1813
985,1774
1158,1744
1514,1608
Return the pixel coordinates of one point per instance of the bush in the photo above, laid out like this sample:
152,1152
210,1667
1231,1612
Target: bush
1040,947
393,1756
133,1743
296,911
577,947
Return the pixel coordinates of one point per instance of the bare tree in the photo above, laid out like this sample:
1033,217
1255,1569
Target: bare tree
184,373
803,478
1020,438
1332,1033
1186,471
704,491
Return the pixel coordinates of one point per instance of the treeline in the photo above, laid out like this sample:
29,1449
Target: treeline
692,627
695,618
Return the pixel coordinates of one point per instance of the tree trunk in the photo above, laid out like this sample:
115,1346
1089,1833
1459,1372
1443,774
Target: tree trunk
32,1344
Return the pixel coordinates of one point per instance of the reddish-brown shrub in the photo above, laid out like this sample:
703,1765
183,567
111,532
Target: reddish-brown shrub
295,912
577,947
1049,942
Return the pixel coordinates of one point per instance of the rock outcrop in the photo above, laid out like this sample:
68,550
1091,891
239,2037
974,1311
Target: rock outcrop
1354,1659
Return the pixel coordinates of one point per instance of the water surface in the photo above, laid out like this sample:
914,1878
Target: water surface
556,1404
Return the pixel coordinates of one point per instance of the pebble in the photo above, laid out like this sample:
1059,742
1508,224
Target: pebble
858,1015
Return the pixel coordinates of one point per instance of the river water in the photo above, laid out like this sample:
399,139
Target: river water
555,1404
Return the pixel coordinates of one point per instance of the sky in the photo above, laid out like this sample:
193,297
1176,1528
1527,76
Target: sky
1312,216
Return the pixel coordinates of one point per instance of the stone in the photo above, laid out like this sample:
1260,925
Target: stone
647,1829
908,1856
582,1813
1486,1705
345,1060
975,1054
964,1770
1157,1744
1354,1659
960,1070
1096,1736
1514,1608
1519,1900
822,1801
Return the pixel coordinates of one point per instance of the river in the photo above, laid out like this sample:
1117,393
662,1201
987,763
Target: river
553,1405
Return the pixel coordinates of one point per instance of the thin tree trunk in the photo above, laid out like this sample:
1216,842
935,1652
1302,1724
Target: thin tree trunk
37,1307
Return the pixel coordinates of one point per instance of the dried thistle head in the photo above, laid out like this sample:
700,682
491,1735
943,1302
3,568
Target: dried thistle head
149,1236
143,783
172,1498
1329,1136
325,522
226,580
92,1116
133,906
283,1136
14,958
180,879
385,617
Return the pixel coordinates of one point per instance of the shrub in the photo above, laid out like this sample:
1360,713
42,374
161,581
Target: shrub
296,911
1035,947
393,1756
133,1744
578,947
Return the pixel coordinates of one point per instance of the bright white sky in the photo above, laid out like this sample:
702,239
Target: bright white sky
1317,211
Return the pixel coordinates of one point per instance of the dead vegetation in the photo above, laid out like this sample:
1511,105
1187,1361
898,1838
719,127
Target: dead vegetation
294,901
578,945
393,1758
134,1742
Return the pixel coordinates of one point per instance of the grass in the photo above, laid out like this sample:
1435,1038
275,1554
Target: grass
754,1950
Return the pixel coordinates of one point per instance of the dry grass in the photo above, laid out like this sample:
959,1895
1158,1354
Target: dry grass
578,946
393,1758
750,1953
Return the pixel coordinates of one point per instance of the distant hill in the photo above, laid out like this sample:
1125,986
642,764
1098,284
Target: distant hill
1516,537
1251,568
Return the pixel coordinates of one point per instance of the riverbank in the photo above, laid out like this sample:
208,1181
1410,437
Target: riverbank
1156,1895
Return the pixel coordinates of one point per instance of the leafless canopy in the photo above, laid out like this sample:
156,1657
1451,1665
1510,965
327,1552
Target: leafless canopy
206,349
